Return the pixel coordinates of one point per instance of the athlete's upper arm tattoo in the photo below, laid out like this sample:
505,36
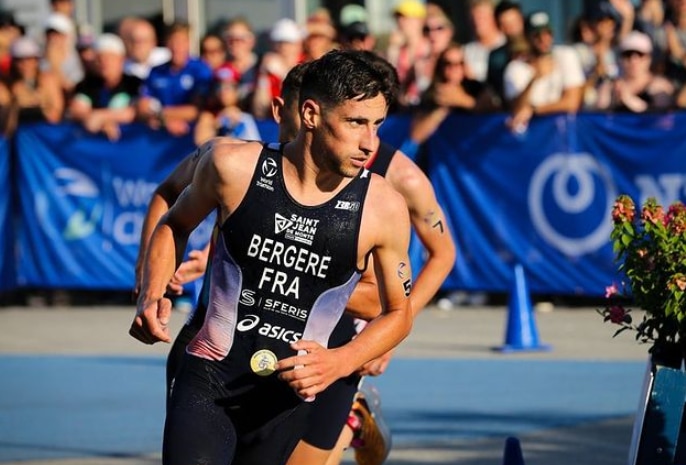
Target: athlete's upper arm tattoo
433,219
405,276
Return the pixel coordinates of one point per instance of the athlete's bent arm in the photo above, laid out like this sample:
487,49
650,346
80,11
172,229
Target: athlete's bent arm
166,248
319,367
430,225
164,196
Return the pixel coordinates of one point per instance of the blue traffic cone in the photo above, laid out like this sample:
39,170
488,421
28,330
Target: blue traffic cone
513,452
521,333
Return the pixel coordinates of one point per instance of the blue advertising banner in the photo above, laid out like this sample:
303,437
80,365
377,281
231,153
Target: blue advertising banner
543,198
82,202
6,232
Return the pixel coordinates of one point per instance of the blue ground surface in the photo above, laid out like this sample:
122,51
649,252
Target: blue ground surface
62,407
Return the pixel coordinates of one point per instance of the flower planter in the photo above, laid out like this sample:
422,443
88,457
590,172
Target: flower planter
659,435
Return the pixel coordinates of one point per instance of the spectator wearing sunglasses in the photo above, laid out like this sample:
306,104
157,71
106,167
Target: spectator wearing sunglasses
637,89
439,32
449,91
242,58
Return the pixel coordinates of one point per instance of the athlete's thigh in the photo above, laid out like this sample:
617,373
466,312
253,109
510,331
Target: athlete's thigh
197,429
274,442
329,413
177,353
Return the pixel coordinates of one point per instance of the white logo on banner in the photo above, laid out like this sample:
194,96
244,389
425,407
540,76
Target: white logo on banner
76,192
557,171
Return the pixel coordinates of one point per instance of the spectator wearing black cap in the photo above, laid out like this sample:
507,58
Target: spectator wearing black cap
548,80
357,36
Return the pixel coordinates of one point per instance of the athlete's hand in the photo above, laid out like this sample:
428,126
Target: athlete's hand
376,366
191,269
150,323
312,370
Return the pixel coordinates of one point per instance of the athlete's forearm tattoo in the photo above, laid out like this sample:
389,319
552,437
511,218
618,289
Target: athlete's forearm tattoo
405,277
434,220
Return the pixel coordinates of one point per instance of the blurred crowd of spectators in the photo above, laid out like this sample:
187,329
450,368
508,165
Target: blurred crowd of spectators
618,57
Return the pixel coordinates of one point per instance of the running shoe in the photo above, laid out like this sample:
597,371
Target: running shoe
373,442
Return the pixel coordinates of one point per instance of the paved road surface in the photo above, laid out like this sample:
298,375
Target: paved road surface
78,390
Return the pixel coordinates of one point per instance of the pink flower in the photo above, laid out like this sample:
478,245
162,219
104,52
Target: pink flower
675,219
611,290
617,313
623,209
653,213
678,281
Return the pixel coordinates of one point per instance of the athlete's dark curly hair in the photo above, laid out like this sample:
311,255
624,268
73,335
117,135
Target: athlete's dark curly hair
342,75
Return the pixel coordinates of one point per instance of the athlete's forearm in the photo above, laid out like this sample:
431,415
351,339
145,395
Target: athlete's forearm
160,262
430,279
157,208
380,336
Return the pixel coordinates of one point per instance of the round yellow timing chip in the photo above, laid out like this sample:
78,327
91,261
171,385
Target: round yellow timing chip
263,362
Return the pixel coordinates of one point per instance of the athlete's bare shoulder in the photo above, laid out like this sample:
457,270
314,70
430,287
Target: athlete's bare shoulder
231,156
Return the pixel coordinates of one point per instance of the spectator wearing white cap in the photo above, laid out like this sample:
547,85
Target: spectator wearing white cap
286,37
545,79
104,101
60,54
637,89
36,93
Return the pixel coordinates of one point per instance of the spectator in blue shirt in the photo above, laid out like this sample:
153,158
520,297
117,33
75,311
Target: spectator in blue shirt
173,92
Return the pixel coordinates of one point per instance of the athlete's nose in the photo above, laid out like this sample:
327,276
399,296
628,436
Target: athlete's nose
369,141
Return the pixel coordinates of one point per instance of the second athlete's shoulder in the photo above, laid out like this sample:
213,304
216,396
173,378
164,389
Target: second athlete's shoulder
405,175
382,196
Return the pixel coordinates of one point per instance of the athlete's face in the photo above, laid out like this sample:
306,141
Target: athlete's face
346,136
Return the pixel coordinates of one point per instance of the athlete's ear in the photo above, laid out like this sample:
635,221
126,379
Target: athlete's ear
277,109
309,113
